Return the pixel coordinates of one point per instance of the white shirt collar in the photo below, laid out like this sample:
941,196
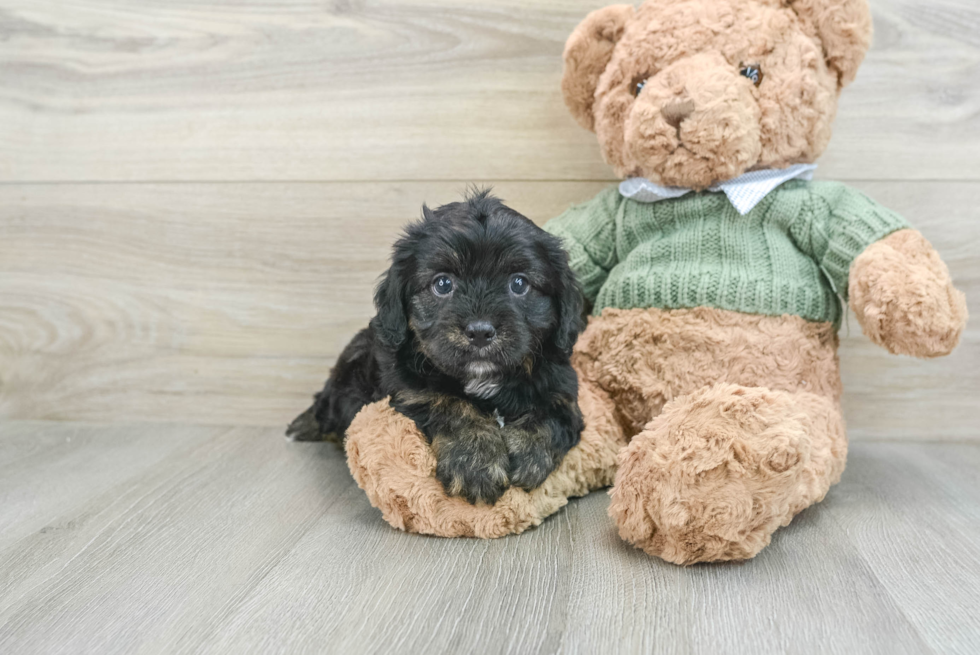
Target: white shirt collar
744,192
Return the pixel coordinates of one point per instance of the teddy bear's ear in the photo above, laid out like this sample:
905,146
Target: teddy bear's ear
587,53
844,27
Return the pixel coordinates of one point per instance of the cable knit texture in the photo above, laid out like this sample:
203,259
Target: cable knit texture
790,255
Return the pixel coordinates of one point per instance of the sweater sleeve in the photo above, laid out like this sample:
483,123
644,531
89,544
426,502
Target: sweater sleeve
842,223
588,233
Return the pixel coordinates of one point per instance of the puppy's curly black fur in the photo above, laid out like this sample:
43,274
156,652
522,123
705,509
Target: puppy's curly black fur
476,319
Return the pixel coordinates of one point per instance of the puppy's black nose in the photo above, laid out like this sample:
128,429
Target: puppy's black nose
480,333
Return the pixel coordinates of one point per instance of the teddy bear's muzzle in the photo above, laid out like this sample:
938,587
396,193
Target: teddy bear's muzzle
695,123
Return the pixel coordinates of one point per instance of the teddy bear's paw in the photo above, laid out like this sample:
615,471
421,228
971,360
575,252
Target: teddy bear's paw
720,470
904,298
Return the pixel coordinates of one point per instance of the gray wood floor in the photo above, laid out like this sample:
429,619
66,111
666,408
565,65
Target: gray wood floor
196,199
163,539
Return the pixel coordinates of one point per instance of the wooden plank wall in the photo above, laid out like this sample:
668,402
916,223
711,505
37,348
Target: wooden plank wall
197,197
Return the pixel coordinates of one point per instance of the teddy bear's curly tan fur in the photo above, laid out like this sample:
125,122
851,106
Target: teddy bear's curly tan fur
715,426
690,53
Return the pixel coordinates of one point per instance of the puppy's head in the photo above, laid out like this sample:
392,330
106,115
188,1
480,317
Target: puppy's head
480,291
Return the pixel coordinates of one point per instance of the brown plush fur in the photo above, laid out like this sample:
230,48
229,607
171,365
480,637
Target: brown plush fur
717,426
587,52
691,51
738,421
762,454
646,358
394,465
718,471
904,298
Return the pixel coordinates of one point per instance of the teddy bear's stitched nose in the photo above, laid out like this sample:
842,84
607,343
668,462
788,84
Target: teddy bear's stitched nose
677,111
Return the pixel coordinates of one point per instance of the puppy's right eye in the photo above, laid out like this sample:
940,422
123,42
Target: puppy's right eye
442,285
519,285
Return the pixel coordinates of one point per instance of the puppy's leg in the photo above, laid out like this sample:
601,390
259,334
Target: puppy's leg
353,383
537,442
473,464
471,454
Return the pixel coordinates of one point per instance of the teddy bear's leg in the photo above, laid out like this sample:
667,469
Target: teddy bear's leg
719,470
392,462
592,464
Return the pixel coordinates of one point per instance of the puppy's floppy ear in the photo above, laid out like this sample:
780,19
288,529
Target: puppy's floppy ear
844,28
570,301
587,53
390,323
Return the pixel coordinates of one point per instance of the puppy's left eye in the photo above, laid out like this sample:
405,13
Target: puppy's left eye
753,72
442,285
519,285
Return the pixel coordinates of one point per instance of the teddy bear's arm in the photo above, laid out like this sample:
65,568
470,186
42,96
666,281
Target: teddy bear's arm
892,277
588,233
904,299
837,223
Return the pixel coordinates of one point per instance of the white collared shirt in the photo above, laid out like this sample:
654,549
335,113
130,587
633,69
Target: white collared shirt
744,192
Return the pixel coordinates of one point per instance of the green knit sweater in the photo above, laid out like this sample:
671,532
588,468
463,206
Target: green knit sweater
790,255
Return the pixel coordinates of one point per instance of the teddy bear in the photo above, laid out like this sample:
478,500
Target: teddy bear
715,271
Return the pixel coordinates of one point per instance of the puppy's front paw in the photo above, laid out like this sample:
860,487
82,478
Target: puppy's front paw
474,470
530,467
531,457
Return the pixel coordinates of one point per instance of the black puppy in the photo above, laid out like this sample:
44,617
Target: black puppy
476,319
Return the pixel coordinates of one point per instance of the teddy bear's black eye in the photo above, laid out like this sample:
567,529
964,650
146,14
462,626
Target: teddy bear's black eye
442,285
752,72
638,83
519,285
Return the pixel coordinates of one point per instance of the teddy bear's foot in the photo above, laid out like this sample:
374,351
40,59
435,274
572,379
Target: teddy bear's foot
392,462
718,471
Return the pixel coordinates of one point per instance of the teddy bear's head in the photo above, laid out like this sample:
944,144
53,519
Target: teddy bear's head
693,92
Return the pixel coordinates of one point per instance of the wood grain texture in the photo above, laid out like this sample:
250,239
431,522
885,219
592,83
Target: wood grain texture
196,199
940,484
233,540
227,304
101,90
178,560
